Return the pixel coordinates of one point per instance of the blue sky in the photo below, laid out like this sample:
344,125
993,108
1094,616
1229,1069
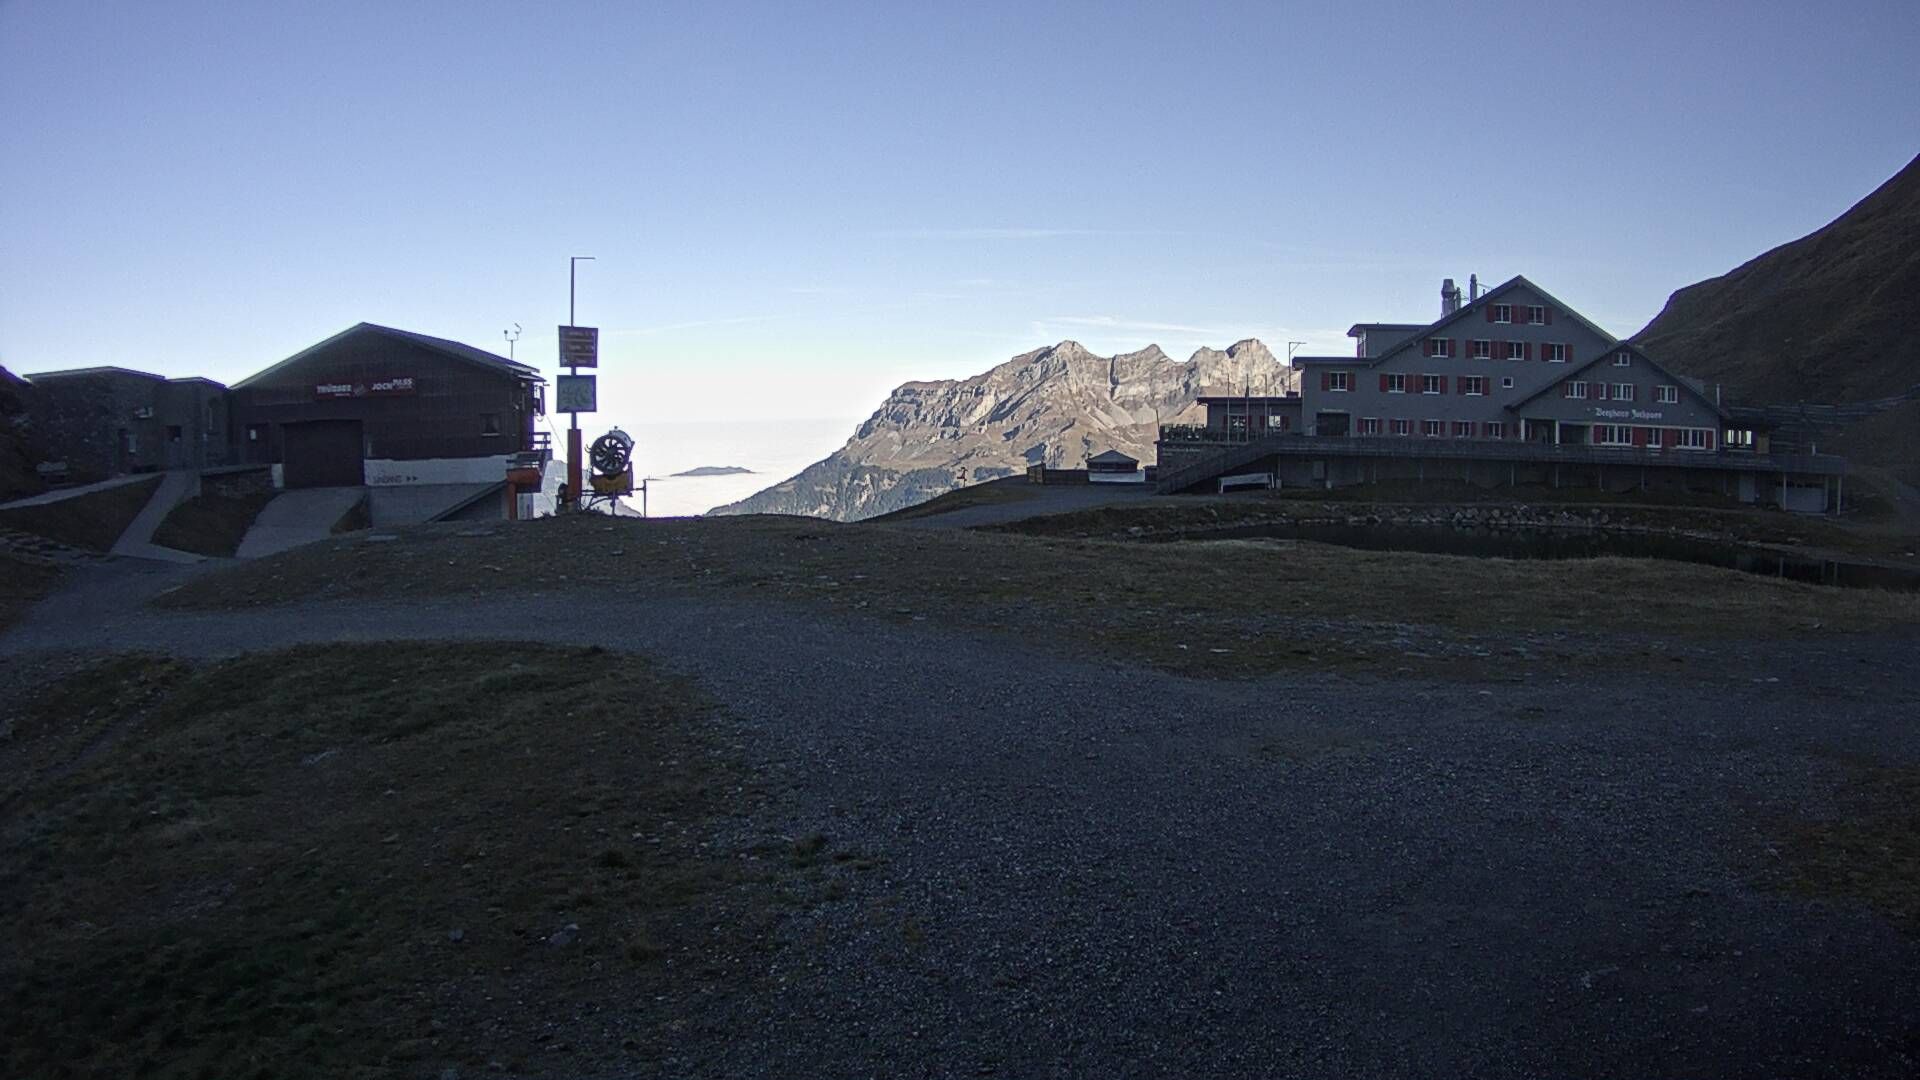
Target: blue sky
795,207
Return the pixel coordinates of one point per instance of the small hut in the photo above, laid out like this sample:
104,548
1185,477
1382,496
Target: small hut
1113,467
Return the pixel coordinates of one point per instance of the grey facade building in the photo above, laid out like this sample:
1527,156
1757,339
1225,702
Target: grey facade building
106,421
1513,386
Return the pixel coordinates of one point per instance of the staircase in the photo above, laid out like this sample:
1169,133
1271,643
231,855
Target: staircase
1214,464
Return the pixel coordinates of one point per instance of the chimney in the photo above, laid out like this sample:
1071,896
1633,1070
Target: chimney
1473,288
1449,298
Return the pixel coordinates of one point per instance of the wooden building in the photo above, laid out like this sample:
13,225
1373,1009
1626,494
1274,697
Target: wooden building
378,406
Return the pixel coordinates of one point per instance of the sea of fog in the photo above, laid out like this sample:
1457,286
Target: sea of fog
773,449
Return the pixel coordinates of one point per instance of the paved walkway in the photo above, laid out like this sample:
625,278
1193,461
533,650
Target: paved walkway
297,517
63,494
137,542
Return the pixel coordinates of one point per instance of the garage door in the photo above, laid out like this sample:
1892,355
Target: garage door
323,453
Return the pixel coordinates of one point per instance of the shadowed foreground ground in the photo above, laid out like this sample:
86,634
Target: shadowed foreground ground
1687,862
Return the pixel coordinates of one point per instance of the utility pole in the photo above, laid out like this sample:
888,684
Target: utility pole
573,428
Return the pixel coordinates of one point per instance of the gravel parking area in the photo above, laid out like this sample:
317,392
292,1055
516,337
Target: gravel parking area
1092,870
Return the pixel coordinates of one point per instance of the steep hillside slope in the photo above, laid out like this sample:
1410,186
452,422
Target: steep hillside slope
17,457
1830,317
1053,406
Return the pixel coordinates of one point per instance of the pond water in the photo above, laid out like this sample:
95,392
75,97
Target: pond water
1531,543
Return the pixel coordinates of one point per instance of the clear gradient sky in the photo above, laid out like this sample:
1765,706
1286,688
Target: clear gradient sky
794,207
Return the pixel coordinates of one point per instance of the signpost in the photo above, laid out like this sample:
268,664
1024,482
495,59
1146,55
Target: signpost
579,347
575,394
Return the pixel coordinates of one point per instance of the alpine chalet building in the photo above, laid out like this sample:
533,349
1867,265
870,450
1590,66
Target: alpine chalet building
1510,387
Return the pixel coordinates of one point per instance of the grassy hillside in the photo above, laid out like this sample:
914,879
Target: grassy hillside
92,521
1829,317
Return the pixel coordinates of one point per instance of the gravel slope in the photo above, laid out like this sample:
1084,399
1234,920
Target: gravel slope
1096,871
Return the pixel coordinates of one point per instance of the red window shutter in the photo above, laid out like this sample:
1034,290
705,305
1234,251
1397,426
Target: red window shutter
1566,389
1566,351
1489,310
1453,347
1709,440
1499,350
1459,384
1443,384
1526,351
1549,312
1639,436
1383,382
1326,380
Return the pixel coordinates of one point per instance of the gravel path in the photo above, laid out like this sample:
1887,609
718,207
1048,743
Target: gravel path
1092,871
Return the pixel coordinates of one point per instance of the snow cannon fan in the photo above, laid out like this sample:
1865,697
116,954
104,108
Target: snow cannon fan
612,459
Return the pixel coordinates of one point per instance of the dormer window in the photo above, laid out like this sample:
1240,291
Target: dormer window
1503,313
1537,315
1623,358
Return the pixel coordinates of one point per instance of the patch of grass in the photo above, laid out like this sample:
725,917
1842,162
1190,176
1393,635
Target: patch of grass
1205,607
211,524
333,860
993,492
22,585
358,516
1871,853
93,521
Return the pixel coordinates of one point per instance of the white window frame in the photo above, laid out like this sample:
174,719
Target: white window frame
1400,427
1503,313
1444,347
1614,430
1427,429
1623,391
1666,395
1623,358
1738,438
1506,382
1456,429
1439,384
1536,315
1493,429
1339,382
1553,352
1516,350
1369,421
1396,383
1577,390
1480,349
1476,386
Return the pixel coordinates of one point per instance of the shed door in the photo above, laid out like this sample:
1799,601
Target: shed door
323,453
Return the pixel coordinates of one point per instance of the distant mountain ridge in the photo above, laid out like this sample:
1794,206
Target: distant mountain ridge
1831,317
1056,406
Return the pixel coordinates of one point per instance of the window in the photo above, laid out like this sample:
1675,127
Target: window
1402,427
1480,349
1433,384
1369,425
1666,395
1599,391
1474,385
1690,438
1463,429
1396,384
1737,439
1516,350
1537,315
1339,380
1553,352
1433,429
1612,435
213,417
1439,346
1506,383
1495,429
1503,313
1623,358
255,431
1575,390
1655,436
490,423
1623,391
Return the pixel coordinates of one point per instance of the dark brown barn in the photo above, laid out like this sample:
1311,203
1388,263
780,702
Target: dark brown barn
412,408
